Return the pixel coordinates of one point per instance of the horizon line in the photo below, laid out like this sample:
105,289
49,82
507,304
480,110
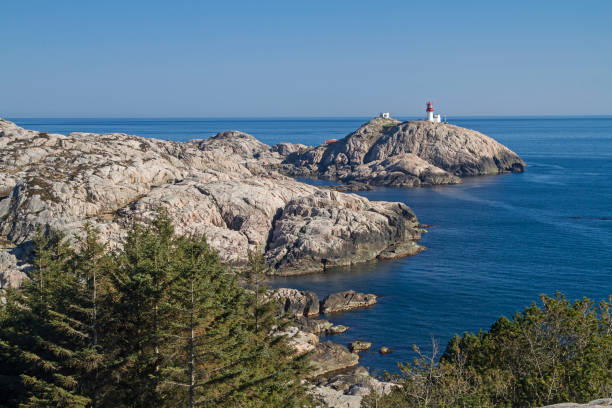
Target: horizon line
356,116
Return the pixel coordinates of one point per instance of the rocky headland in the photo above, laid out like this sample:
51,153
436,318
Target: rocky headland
221,187
387,152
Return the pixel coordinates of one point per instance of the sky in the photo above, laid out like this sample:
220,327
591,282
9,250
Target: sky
286,58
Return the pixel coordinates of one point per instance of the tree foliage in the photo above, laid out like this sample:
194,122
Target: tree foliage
158,322
554,352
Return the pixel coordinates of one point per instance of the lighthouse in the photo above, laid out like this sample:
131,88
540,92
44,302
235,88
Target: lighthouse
430,114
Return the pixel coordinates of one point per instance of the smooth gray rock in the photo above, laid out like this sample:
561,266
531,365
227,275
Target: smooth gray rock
349,387
329,357
346,300
296,302
315,326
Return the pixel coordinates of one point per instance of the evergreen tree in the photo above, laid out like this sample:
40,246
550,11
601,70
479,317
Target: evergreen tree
91,266
139,287
159,323
38,338
218,353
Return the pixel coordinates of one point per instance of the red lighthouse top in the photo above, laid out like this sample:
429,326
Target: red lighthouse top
430,107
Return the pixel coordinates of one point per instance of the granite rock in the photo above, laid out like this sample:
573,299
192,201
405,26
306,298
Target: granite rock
387,152
222,188
329,357
346,300
296,302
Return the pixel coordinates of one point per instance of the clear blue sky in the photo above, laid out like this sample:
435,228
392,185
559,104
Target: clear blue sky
289,58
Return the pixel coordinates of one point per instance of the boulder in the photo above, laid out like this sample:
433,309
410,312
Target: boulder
301,341
385,350
354,383
315,326
296,302
329,357
359,345
346,300
337,329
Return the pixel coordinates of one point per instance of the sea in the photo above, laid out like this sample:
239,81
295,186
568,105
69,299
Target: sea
494,244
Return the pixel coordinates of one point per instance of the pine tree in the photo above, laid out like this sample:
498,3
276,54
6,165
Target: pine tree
91,265
220,350
38,339
139,286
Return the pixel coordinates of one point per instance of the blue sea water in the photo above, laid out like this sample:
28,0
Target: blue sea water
495,243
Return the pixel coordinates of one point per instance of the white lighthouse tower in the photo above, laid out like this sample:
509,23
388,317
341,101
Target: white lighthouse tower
430,114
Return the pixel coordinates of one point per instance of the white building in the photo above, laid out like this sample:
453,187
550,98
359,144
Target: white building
430,114
384,115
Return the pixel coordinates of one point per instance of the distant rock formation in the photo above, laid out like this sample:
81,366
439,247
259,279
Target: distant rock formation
387,152
221,187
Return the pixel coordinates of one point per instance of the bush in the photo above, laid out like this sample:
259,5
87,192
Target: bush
554,352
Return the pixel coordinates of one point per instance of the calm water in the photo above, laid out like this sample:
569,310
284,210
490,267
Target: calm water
495,242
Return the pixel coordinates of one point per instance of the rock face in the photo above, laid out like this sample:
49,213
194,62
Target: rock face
387,152
329,357
221,187
301,341
296,303
348,389
346,300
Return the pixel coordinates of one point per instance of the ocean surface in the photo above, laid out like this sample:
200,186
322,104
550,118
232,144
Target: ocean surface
495,243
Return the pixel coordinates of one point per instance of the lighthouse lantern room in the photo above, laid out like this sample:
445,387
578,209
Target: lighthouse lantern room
430,114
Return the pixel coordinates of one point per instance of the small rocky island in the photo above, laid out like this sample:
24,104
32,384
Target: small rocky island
387,152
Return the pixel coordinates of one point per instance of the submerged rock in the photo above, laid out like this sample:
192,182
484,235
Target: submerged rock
387,152
346,300
222,188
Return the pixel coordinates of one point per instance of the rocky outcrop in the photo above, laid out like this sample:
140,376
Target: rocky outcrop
347,389
337,329
302,342
328,228
296,302
222,188
359,345
346,300
387,152
315,326
328,357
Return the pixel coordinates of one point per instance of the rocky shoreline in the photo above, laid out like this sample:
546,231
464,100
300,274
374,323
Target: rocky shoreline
337,380
230,189
222,187
387,152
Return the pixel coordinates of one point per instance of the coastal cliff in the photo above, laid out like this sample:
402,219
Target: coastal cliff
388,152
221,187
